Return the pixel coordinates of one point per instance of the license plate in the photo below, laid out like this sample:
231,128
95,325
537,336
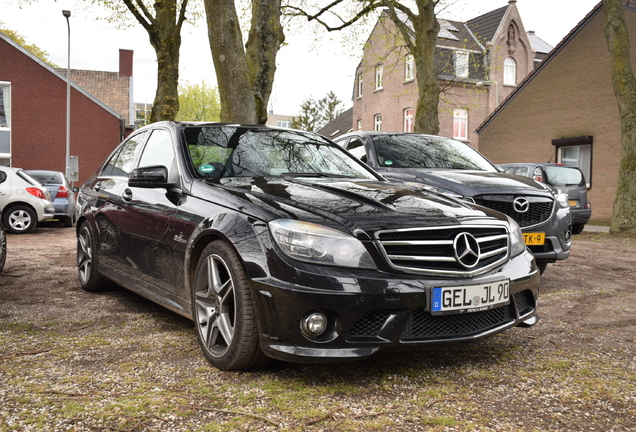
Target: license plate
573,203
470,298
534,238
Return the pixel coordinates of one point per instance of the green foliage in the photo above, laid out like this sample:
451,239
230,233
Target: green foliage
315,114
199,102
32,48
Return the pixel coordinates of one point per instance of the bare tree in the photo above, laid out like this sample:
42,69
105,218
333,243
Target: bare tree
624,214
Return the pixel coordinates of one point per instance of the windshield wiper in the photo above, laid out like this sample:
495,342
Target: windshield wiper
299,174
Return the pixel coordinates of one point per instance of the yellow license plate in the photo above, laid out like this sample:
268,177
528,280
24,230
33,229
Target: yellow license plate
534,238
572,203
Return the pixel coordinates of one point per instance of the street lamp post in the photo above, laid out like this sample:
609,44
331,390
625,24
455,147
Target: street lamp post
67,15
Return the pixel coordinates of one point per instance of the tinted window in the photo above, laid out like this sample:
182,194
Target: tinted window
564,176
3,176
122,161
45,177
229,151
158,150
417,151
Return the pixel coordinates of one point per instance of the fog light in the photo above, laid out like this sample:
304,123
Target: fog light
314,324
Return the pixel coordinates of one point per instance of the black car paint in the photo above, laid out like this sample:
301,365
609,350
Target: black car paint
151,239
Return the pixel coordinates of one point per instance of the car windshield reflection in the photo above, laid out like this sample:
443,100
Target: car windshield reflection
417,151
219,152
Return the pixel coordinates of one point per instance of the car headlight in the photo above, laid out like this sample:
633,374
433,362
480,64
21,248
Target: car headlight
517,243
562,198
317,244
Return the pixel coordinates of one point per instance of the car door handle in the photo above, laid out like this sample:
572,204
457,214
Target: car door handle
127,195
97,186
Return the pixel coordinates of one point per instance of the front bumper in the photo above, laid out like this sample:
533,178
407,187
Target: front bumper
381,311
558,237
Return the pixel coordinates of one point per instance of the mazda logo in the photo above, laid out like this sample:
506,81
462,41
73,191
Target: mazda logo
467,251
521,205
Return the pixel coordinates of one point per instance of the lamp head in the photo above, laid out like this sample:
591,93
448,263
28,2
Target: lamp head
66,13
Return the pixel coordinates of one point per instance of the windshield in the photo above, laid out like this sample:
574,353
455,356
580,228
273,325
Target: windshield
230,151
564,176
420,151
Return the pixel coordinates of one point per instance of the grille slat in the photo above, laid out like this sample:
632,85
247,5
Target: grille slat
432,250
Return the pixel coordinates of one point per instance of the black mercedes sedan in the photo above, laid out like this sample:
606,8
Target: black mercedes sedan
279,244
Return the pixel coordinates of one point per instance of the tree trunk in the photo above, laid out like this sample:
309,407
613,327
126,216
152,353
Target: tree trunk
624,214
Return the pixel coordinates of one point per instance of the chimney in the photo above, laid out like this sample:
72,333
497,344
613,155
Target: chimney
125,63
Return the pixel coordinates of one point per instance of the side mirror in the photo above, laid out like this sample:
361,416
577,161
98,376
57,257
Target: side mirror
149,177
76,189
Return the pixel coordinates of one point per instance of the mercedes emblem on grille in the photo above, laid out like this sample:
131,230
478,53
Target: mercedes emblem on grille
521,205
467,251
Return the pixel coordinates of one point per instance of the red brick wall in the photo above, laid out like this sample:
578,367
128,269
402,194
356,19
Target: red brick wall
571,96
38,118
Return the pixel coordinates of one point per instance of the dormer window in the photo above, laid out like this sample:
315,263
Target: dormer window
461,64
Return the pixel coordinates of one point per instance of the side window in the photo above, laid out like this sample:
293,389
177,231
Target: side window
356,148
3,176
158,150
121,163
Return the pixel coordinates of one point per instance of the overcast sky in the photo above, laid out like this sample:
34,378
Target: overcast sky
305,69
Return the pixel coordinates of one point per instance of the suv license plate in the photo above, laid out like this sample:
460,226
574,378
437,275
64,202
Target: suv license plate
470,298
534,238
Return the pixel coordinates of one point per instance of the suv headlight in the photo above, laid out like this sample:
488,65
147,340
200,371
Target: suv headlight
317,244
517,243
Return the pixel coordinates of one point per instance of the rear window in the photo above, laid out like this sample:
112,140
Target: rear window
564,176
27,178
47,177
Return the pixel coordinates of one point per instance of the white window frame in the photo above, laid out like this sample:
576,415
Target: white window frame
461,64
510,72
283,123
579,156
377,122
460,124
5,88
359,124
409,67
359,86
379,76
408,119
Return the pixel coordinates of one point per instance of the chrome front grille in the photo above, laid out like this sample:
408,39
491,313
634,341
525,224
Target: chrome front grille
443,250
539,208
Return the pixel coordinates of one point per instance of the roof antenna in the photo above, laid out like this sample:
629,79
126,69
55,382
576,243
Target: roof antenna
550,161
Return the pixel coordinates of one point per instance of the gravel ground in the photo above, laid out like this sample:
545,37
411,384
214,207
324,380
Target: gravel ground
113,361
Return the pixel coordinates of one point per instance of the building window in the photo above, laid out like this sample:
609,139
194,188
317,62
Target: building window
510,71
359,124
460,124
461,64
576,152
5,123
359,86
377,122
409,67
408,120
283,123
379,74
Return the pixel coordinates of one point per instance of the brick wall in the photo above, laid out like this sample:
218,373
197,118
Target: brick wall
38,117
571,96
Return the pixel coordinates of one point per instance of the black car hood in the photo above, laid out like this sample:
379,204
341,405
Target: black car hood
365,205
469,183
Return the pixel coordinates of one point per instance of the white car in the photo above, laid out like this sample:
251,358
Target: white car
23,201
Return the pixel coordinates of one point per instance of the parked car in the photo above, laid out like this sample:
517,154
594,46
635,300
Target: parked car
567,179
23,201
277,243
61,194
456,169
3,245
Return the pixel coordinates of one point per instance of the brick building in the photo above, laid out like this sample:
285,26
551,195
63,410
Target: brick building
566,111
479,63
33,116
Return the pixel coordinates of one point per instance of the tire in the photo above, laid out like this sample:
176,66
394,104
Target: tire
19,219
3,249
223,311
87,261
577,228
542,266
